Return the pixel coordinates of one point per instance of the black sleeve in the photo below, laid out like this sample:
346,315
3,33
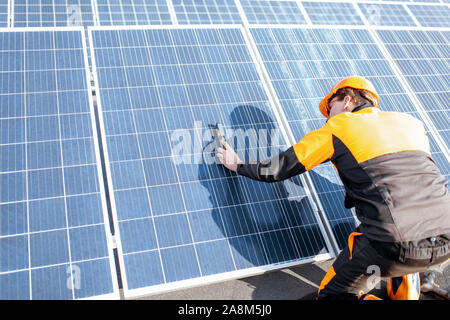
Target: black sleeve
278,168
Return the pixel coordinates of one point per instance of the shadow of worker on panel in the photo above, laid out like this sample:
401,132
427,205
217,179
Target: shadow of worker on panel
265,223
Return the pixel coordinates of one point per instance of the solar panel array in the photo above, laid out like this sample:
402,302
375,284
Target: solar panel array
93,194
191,214
53,225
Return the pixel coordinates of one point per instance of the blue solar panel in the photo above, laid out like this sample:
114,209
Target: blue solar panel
180,217
340,13
134,12
423,58
53,13
52,218
206,12
303,64
4,13
431,15
272,12
386,14
54,224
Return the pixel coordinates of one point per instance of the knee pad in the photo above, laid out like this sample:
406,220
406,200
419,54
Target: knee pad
406,287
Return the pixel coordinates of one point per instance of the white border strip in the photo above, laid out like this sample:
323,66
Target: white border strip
184,284
352,27
173,14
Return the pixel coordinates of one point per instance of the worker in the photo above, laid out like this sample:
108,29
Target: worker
399,195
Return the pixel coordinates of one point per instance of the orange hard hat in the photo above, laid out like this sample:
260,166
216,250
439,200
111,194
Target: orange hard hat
354,82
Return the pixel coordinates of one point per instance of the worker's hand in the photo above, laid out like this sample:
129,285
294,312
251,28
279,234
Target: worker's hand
228,157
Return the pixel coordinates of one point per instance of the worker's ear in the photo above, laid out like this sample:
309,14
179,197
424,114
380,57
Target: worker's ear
347,103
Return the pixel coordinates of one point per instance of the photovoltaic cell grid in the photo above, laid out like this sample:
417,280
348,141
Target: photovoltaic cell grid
272,12
431,15
332,13
303,64
424,59
3,13
52,223
206,12
186,220
134,12
425,68
386,14
53,13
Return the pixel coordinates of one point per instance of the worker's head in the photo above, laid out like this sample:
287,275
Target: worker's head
347,94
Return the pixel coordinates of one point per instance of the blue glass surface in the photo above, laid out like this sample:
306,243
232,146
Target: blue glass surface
172,214
329,13
53,13
14,286
211,263
96,278
431,15
272,12
4,13
50,201
134,12
386,14
206,12
51,283
422,57
144,269
155,82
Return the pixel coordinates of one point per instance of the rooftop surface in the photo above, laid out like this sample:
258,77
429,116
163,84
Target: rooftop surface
297,283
